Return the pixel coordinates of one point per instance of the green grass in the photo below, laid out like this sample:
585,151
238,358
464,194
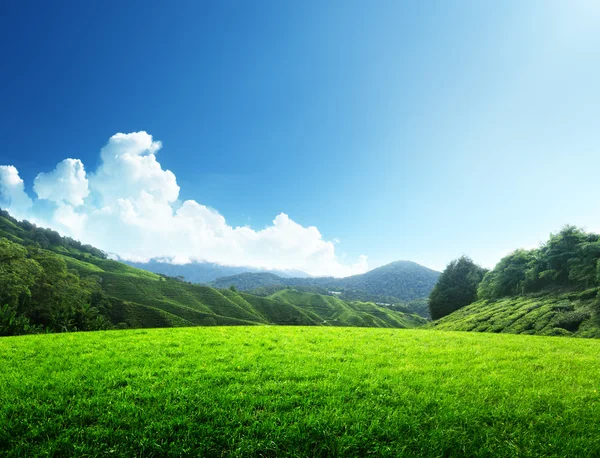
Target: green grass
298,391
567,314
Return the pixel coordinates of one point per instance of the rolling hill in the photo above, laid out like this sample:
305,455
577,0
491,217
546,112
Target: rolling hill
550,290
400,280
568,314
110,293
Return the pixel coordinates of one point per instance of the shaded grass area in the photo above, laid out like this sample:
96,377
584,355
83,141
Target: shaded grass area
298,391
567,314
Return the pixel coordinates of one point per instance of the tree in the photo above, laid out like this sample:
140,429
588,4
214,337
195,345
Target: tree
57,293
511,276
456,287
18,274
570,259
562,250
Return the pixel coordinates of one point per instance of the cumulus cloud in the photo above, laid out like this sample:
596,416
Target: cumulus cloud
129,206
129,170
66,183
12,191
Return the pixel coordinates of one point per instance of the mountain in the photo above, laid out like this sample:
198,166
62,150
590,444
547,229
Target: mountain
401,280
205,272
50,283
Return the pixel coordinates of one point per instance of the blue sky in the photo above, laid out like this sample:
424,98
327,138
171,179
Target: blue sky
405,130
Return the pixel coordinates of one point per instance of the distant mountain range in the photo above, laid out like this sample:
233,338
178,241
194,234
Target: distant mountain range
206,272
403,280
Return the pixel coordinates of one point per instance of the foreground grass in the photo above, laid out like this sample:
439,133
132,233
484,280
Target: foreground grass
284,391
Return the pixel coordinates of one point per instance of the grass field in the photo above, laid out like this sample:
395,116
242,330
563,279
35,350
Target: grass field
298,391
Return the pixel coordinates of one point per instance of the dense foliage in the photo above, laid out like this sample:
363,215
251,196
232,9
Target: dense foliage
568,260
38,293
456,287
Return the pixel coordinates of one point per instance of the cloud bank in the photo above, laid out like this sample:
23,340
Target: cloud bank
129,207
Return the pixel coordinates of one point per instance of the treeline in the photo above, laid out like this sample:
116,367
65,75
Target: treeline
569,260
48,239
39,294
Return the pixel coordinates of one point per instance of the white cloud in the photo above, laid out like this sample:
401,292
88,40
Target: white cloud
12,192
129,207
66,183
129,169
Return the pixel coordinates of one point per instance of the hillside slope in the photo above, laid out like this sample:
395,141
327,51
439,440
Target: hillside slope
550,290
401,280
86,291
336,312
568,314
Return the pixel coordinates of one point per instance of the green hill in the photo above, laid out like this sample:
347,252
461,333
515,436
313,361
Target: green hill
337,312
550,290
52,283
398,281
298,391
568,314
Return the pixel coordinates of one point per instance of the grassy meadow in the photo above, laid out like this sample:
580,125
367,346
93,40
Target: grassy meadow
298,391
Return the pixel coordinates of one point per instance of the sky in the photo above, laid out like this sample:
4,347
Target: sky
325,136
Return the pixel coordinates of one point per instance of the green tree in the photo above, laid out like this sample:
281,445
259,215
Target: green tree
560,252
18,275
456,287
509,277
57,294
570,259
